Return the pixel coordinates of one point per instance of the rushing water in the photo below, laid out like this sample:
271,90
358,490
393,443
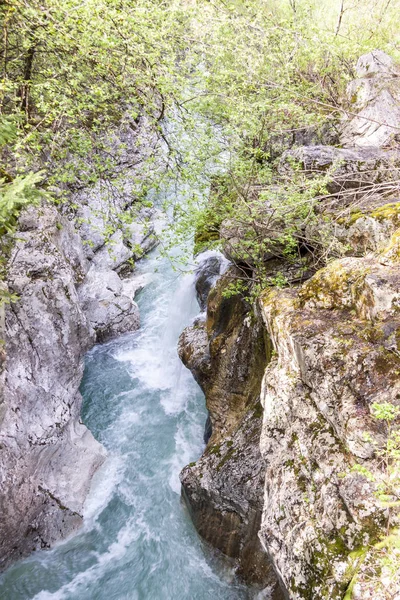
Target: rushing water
137,542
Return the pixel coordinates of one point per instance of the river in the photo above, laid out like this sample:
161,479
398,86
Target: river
137,541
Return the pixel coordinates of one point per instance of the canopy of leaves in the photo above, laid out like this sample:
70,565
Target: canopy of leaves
217,80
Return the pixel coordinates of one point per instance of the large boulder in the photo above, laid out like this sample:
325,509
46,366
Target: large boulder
349,169
108,303
355,230
375,98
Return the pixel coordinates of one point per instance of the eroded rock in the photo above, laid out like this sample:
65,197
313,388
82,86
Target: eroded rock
335,339
48,456
361,169
227,356
109,310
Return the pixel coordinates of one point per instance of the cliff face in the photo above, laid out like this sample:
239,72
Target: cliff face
336,356
327,351
69,295
47,456
227,356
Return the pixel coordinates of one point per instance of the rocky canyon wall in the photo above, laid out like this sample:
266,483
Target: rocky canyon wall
295,457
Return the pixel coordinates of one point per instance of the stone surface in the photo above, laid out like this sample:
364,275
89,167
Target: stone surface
210,266
335,338
224,489
375,98
328,134
113,254
330,351
358,229
349,168
108,304
48,456
63,269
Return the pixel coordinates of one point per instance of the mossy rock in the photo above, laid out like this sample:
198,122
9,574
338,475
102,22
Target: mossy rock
331,287
392,251
387,212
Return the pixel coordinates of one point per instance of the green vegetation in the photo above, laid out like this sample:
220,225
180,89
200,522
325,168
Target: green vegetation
73,75
274,74
234,82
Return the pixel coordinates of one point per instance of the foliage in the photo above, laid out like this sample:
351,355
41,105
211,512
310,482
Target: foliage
218,82
271,74
223,85
15,193
78,82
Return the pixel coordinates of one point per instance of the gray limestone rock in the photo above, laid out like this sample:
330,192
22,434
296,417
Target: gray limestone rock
375,97
355,169
64,271
334,339
48,456
108,304
112,255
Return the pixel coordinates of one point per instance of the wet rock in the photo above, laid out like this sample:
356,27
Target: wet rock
207,430
193,350
211,266
224,492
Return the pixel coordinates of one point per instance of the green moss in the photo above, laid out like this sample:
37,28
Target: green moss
203,238
349,220
387,363
215,450
389,212
329,285
258,411
392,251
293,440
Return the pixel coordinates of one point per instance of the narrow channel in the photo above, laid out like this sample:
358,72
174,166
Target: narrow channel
138,542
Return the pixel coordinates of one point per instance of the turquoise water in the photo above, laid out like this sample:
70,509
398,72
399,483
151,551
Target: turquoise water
137,542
